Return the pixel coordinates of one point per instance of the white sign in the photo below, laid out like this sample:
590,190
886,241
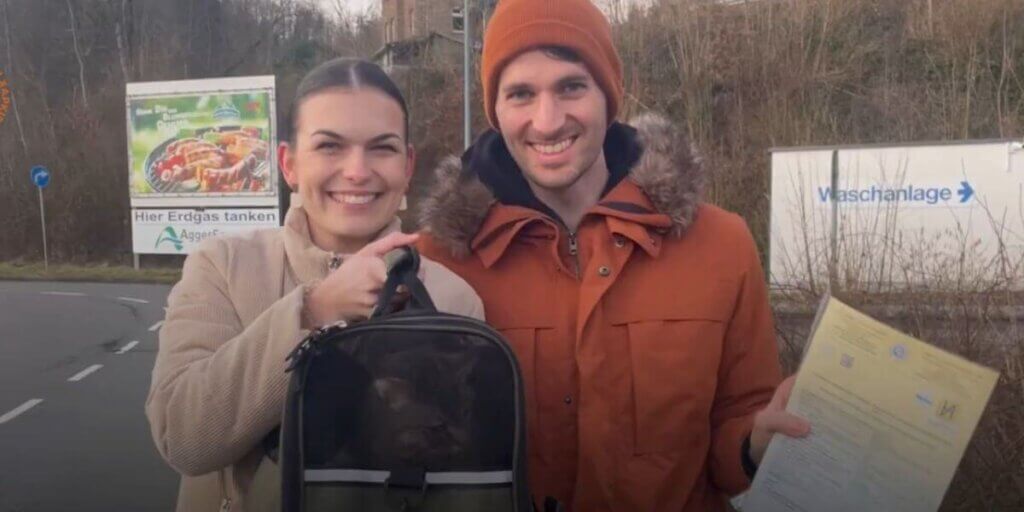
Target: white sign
179,231
904,214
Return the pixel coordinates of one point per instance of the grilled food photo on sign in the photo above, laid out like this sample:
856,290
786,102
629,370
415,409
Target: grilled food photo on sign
216,161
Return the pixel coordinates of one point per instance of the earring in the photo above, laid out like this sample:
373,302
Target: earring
404,205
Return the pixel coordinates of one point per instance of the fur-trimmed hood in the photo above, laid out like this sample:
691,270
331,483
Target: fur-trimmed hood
665,168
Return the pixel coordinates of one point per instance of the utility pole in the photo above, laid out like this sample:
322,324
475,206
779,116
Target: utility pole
486,7
467,49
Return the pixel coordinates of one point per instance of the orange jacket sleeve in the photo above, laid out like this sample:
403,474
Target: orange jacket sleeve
749,370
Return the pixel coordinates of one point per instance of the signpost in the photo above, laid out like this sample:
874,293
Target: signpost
231,121
41,178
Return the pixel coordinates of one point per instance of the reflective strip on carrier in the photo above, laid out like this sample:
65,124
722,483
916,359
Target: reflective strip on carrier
438,478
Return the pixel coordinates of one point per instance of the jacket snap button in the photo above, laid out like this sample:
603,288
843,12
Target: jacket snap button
568,399
604,271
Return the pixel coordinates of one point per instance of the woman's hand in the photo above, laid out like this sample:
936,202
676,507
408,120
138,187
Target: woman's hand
351,292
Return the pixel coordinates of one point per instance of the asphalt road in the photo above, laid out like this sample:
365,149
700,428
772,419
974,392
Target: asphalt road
75,365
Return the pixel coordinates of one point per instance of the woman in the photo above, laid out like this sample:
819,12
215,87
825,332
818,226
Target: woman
244,302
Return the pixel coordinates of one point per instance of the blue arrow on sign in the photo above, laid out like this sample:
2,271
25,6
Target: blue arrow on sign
40,176
965,192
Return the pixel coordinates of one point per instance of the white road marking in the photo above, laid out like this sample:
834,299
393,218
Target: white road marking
127,347
156,326
20,409
64,294
85,373
129,299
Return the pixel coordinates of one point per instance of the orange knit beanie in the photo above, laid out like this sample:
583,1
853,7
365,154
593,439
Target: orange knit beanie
521,25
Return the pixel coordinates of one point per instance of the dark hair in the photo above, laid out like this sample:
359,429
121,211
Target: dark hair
349,73
563,53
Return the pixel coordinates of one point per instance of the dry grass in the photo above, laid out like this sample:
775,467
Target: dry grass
953,292
34,271
744,78
991,475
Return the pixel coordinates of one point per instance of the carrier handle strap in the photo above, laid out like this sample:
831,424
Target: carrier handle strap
407,487
403,265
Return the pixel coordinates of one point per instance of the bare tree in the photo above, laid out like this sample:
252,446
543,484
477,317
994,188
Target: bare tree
10,67
78,55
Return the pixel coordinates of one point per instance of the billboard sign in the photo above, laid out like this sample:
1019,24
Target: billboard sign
202,143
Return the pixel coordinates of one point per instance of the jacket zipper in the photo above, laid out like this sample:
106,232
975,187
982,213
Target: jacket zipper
335,262
225,502
574,251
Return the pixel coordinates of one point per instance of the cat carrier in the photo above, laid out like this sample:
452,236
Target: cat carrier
410,410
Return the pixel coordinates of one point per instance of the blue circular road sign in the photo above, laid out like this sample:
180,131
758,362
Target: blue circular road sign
40,176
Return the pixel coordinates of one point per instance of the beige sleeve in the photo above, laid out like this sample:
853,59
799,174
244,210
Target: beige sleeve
218,387
451,293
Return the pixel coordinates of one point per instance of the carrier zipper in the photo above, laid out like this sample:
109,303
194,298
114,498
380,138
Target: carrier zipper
310,344
225,505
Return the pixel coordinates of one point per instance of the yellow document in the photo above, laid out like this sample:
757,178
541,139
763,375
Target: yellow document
890,417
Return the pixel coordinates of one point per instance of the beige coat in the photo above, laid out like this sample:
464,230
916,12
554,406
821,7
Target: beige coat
219,382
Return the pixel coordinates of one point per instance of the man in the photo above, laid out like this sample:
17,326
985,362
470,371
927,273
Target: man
639,315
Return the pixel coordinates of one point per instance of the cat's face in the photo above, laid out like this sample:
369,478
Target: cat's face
411,429
418,410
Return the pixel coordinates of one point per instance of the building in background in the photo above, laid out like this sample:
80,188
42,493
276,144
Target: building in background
426,32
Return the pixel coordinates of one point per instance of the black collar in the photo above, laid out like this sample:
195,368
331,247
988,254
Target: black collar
489,159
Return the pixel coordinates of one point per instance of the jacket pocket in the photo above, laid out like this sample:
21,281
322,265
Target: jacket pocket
675,349
675,374
523,341
521,323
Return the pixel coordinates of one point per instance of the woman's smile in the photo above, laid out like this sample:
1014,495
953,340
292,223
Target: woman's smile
353,199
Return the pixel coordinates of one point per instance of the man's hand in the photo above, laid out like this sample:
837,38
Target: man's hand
351,292
774,419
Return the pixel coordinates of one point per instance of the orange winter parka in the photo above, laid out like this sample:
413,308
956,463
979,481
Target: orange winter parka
645,337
